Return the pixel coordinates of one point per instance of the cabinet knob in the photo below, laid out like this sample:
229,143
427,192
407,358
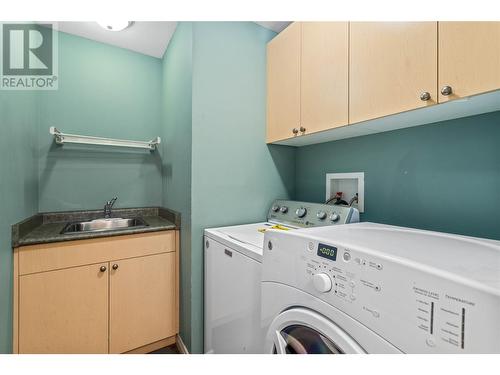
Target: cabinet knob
295,131
103,269
115,266
425,96
302,129
446,90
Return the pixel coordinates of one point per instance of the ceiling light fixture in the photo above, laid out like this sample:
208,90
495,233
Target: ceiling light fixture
115,25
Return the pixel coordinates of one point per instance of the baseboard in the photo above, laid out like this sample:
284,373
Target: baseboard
180,345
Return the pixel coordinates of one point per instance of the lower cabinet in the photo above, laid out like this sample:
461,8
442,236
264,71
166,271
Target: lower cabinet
112,305
64,311
142,301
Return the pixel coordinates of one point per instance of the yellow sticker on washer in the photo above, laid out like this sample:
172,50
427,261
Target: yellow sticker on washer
277,226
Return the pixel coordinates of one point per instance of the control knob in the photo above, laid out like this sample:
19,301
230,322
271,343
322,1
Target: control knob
321,215
284,209
322,282
334,217
275,208
301,212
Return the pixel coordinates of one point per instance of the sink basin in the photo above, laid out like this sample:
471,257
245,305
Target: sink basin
101,225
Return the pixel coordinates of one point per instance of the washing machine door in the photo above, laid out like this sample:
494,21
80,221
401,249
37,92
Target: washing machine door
303,331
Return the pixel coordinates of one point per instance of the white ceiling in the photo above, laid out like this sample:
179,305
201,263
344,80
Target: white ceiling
277,26
147,37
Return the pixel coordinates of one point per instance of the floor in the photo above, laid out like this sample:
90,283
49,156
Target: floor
172,349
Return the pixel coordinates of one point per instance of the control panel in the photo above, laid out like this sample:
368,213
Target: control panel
328,268
304,214
417,310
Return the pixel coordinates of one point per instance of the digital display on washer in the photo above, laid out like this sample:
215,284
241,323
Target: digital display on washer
327,251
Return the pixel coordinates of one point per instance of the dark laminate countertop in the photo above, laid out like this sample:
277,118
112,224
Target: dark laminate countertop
47,227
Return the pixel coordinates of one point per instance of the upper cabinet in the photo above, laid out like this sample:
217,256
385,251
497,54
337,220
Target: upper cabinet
283,84
393,68
469,58
324,76
307,84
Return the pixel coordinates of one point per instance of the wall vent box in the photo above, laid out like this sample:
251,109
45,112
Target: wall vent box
349,184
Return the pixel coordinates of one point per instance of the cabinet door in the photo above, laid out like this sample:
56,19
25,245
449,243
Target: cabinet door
142,301
469,58
283,84
391,65
324,75
64,311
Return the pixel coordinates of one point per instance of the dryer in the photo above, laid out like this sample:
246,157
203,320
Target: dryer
233,262
372,288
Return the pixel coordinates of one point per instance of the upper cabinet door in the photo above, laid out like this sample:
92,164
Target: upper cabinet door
283,84
469,58
393,68
324,75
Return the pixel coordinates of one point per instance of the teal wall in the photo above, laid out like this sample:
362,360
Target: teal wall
208,89
235,176
206,98
442,176
215,156
103,91
18,188
176,153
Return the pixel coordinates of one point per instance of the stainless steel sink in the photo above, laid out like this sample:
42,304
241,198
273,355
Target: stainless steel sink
101,225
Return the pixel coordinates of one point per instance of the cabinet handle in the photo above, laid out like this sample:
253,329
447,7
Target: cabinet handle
295,131
425,96
302,129
103,269
115,266
446,90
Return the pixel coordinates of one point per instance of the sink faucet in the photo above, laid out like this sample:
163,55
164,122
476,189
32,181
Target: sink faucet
108,206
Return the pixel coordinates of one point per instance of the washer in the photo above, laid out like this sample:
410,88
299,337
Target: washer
372,288
233,263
